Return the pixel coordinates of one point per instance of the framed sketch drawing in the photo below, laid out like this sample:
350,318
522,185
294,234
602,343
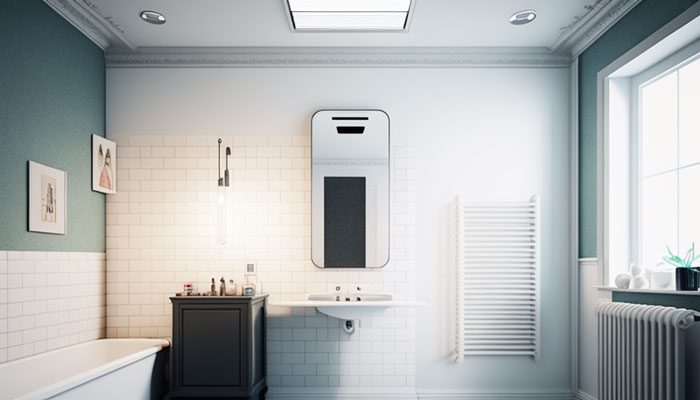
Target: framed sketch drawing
104,165
48,199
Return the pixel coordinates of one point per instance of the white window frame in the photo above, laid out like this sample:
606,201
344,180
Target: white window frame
652,74
617,144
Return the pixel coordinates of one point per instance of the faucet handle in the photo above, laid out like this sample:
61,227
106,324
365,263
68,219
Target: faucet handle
337,288
359,289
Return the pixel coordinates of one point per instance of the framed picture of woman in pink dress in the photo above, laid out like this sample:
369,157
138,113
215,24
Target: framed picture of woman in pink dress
104,165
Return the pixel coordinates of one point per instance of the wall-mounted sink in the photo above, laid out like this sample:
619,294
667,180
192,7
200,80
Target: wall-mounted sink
350,306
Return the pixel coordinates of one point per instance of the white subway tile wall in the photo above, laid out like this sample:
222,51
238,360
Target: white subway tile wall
49,300
161,232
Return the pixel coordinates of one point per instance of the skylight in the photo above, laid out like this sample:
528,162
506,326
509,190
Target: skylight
349,15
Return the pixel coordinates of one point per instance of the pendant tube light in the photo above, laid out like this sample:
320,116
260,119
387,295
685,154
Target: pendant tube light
221,217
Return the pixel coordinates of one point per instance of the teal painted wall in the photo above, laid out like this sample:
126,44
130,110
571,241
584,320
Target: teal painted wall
52,98
647,17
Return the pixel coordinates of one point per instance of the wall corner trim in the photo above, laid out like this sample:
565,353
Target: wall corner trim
363,57
574,226
586,29
85,16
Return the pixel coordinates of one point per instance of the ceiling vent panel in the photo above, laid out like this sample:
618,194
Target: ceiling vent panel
349,15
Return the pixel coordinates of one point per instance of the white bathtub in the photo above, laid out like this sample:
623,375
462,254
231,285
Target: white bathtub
121,369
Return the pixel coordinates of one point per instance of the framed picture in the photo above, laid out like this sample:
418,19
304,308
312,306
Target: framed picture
104,165
48,199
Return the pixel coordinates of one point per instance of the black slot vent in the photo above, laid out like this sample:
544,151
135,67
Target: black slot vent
352,130
350,118
344,221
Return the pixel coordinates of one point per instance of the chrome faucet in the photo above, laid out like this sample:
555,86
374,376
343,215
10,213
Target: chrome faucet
359,289
337,289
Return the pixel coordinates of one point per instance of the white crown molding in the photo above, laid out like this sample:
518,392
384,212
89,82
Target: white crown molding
438,57
600,15
483,395
586,29
86,18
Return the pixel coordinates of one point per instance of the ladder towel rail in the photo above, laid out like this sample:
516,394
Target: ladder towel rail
498,278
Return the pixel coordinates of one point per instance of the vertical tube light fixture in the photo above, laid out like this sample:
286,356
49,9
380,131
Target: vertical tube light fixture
221,214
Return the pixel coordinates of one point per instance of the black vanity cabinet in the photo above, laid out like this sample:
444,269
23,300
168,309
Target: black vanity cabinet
218,347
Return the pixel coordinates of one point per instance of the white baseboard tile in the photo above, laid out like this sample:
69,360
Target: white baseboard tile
477,395
341,393
583,396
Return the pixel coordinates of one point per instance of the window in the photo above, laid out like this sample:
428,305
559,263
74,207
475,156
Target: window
648,149
667,161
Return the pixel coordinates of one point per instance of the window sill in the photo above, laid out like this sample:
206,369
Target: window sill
649,291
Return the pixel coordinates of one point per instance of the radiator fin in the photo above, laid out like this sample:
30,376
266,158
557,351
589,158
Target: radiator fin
641,351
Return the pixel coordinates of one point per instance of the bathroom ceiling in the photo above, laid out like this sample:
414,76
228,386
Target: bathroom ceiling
434,23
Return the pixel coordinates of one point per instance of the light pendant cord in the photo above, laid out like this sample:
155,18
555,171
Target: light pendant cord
220,181
226,174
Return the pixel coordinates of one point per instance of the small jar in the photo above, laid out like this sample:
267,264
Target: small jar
231,288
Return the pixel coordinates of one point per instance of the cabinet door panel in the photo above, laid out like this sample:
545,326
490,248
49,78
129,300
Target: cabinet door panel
212,347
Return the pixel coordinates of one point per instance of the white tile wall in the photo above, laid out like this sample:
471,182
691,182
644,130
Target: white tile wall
49,300
161,232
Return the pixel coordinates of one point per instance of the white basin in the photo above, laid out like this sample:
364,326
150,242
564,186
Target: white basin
347,306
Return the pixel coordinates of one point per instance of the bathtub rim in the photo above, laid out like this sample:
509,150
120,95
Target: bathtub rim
61,386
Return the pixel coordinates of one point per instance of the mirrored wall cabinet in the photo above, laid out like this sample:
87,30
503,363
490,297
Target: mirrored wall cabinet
350,188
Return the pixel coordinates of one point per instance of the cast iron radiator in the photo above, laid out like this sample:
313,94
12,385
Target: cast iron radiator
641,351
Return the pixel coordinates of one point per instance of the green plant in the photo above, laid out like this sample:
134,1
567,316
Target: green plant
687,262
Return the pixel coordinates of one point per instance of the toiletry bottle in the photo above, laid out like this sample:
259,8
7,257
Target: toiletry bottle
222,287
212,292
231,288
249,286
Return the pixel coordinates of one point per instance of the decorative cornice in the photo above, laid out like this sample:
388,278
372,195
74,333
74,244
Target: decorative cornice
599,16
442,57
86,18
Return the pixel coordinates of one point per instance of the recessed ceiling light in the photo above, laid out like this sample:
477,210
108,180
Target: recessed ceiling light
349,15
153,17
523,17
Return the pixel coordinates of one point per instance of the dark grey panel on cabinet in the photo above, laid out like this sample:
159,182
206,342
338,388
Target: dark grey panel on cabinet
218,347
209,334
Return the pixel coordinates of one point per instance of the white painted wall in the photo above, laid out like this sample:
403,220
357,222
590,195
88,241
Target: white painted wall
490,134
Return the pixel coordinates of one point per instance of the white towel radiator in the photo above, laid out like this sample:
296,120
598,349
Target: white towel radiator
641,351
498,279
